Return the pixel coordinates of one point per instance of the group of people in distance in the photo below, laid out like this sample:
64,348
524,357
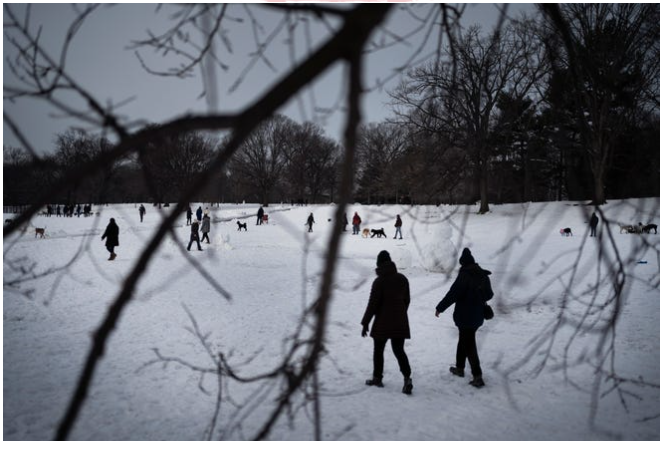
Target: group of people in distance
357,221
389,301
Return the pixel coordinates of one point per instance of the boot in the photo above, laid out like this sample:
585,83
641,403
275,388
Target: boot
408,386
477,382
457,371
375,381
113,256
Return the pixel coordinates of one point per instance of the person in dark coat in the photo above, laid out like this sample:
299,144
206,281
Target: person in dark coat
345,221
388,306
206,226
593,223
111,234
189,215
194,235
142,211
198,213
470,292
397,227
260,215
310,221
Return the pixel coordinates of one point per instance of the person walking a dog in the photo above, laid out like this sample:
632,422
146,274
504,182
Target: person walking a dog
469,292
397,227
260,215
206,226
142,211
194,235
388,306
111,234
593,223
357,221
310,221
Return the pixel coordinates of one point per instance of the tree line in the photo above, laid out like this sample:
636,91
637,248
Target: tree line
499,117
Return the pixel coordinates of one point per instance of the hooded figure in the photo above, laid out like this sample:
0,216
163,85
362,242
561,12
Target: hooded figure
388,306
469,292
111,233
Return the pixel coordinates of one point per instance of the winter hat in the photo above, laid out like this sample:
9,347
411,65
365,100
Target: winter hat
383,257
466,258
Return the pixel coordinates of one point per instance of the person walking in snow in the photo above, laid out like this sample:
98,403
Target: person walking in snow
397,227
593,223
198,213
357,221
142,211
469,292
260,216
189,215
206,226
111,234
310,221
345,222
388,306
194,235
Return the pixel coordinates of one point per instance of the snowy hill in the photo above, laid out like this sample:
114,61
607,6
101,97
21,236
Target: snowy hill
552,368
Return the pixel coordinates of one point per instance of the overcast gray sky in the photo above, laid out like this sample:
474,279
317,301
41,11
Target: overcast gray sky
100,60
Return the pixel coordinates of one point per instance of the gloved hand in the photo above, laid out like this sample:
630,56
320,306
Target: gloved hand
365,330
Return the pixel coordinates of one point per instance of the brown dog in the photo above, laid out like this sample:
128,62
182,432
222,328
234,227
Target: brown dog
365,233
40,232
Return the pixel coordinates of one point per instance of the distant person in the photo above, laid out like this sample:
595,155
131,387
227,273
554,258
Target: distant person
345,222
357,220
397,227
142,211
310,221
388,306
469,292
111,234
206,226
198,213
260,215
189,215
194,235
58,211
593,223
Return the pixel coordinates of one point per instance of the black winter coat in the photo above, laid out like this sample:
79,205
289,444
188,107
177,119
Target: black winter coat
388,303
469,293
111,233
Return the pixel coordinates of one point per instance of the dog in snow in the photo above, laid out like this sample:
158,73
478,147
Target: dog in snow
647,228
365,233
378,233
241,226
566,232
40,232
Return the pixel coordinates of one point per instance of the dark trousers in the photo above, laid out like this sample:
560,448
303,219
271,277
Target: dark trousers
194,238
468,349
110,248
206,235
397,349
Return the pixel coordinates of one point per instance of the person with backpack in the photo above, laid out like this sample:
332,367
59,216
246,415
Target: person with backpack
357,220
388,307
470,292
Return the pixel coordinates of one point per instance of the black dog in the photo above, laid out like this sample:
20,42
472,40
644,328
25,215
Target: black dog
241,225
648,227
566,232
378,233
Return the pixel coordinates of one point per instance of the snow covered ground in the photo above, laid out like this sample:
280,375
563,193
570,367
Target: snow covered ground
537,388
